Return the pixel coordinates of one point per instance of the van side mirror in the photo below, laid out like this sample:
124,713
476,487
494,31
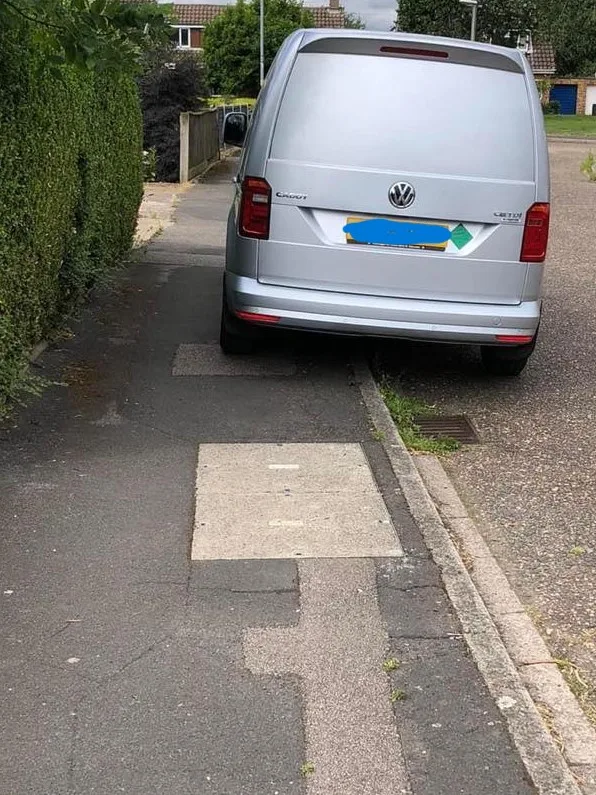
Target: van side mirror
235,125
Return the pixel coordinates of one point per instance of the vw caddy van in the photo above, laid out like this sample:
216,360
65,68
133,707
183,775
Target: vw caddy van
391,185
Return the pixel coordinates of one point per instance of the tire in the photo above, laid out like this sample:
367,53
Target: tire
506,362
235,337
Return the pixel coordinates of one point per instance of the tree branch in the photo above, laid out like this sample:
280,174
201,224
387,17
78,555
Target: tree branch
35,19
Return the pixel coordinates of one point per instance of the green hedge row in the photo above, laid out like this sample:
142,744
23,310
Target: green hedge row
70,188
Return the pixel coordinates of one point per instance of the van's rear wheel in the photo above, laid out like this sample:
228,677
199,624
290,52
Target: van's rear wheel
507,362
235,337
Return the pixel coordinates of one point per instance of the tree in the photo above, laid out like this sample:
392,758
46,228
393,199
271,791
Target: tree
429,17
231,42
93,34
499,21
354,21
571,28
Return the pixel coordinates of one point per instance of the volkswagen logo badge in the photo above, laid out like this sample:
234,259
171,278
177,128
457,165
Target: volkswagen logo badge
402,195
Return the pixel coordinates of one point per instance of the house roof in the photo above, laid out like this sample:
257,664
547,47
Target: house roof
196,13
542,59
326,17
203,14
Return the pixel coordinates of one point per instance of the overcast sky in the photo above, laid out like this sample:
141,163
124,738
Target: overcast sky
377,14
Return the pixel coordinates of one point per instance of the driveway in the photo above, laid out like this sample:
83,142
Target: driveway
531,482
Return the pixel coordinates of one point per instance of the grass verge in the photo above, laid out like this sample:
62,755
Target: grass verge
403,411
581,689
571,126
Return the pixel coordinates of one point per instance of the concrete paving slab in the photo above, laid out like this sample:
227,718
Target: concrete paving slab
283,468
267,526
156,210
317,519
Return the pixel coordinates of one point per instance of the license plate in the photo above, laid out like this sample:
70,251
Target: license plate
397,233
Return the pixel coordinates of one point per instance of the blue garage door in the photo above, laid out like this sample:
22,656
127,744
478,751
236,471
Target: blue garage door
566,96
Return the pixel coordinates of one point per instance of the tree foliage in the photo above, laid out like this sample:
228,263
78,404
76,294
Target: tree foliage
431,18
95,34
499,21
570,26
172,82
231,42
354,21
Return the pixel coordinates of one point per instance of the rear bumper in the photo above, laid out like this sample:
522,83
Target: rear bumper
346,313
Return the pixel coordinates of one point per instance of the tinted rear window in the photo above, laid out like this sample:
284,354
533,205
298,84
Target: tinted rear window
369,112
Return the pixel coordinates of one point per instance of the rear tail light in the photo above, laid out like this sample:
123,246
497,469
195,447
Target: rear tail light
255,208
515,339
256,317
535,240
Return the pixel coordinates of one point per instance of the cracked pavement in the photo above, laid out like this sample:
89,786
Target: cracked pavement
123,662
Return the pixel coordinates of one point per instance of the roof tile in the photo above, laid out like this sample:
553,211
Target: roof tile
203,14
542,59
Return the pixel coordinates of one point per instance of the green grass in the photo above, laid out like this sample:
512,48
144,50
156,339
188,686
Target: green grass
577,551
581,689
214,102
571,126
397,695
403,410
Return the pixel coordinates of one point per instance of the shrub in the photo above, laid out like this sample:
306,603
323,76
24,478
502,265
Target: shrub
172,82
552,108
70,155
588,167
544,87
149,164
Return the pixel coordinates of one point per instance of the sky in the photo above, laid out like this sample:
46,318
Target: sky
377,14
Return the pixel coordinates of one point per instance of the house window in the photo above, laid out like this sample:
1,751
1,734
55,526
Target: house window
184,37
189,37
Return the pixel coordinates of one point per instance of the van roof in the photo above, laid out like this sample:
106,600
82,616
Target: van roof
370,42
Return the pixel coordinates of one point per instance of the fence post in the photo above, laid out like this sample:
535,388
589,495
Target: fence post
184,146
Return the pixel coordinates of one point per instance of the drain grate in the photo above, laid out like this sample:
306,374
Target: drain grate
457,427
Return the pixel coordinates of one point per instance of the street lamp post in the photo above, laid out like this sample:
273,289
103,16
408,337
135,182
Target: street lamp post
473,4
262,42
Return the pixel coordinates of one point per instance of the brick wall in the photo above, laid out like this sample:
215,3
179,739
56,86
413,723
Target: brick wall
582,89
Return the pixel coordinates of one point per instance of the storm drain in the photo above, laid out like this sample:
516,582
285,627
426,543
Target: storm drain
457,427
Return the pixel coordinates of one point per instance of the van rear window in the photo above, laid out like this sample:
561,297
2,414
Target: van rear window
393,114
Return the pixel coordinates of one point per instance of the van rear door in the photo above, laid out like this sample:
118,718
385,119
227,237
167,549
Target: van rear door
361,122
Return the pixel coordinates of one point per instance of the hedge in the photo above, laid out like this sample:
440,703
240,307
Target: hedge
70,188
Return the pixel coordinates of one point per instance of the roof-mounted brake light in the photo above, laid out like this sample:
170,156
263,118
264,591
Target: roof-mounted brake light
417,53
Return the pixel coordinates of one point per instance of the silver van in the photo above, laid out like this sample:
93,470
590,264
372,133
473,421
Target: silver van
391,185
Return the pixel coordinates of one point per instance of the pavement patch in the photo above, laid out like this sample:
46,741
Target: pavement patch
324,502
208,359
337,649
